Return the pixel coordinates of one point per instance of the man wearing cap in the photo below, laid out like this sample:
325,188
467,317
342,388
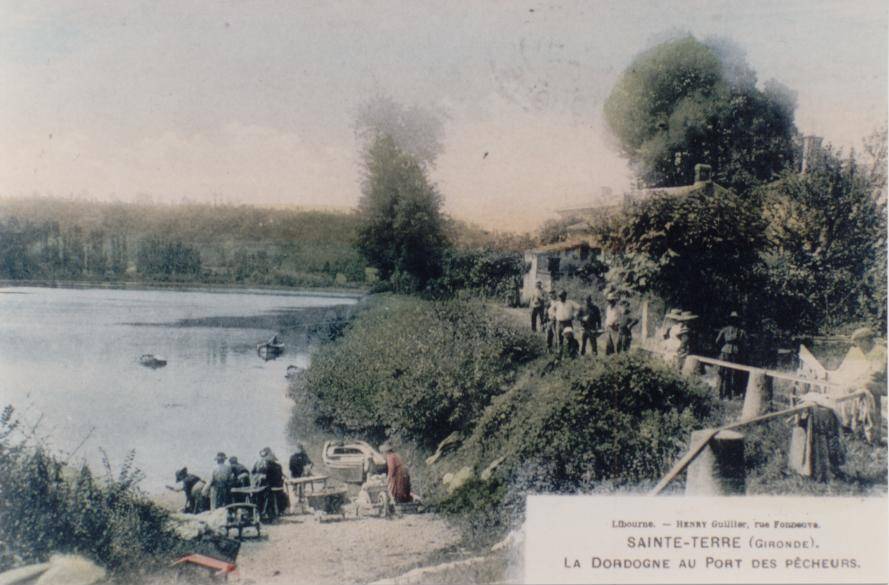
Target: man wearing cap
730,340
538,306
221,482
192,487
565,312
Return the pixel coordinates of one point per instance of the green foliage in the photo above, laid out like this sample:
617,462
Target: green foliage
826,234
415,368
52,239
160,259
685,102
401,230
49,507
622,419
700,252
482,273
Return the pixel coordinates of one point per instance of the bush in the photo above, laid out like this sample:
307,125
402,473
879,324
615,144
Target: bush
481,273
49,507
622,419
415,368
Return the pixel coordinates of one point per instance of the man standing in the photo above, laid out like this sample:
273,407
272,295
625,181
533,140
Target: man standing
551,320
538,306
221,482
614,315
591,322
730,341
565,312
300,464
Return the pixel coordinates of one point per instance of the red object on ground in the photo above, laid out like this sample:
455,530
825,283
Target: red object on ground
221,567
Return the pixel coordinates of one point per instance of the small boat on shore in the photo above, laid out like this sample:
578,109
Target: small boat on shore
352,461
149,360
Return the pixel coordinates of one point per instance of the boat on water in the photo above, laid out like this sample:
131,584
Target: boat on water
149,360
268,350
352,461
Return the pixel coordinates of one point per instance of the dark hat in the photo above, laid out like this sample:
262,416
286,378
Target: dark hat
220,455
181,473
233,459
563,293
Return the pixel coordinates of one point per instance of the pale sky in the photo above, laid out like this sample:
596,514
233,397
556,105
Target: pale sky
254,101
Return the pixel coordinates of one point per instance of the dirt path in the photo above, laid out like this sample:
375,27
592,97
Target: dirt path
300,550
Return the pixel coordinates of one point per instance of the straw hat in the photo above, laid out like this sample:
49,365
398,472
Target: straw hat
862,333
674,314
685,316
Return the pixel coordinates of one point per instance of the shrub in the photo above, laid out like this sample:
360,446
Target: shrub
416,368
622,419
49,507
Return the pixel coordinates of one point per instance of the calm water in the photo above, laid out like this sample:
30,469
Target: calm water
71,357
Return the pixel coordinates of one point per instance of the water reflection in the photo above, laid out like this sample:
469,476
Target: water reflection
74,356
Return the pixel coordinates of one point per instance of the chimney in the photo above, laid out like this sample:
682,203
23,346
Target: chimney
703,173
811,151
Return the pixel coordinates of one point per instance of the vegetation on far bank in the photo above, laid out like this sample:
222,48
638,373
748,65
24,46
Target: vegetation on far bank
51,239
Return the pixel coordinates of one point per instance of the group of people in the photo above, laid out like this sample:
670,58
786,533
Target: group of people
556,315
266,478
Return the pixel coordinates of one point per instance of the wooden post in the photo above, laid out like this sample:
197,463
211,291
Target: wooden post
719,469
758,397
691,366
645,319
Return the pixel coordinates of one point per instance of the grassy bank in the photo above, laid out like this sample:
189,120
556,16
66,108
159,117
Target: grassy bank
420,371
526,422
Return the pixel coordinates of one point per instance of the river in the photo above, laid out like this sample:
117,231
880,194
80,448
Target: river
69,363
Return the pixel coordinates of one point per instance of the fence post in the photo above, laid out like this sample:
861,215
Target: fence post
691,366
719,469
758,397
645,319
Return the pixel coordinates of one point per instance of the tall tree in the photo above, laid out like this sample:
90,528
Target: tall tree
685,102
826,232
402,230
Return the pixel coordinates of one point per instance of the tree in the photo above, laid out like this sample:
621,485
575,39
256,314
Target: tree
699,252
401,230
685,102
826,234
416,131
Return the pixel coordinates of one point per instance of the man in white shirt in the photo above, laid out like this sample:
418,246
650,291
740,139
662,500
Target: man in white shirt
614,314
564,313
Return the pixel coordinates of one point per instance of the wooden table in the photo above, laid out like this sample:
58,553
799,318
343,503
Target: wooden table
298,490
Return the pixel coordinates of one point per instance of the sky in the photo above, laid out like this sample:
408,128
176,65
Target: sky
255,102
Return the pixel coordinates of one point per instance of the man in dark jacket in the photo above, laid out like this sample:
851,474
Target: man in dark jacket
731,341
300,464
591,322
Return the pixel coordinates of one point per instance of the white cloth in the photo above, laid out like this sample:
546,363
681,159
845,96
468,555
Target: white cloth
613,315
566,310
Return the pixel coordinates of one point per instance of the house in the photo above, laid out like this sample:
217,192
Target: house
548,264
